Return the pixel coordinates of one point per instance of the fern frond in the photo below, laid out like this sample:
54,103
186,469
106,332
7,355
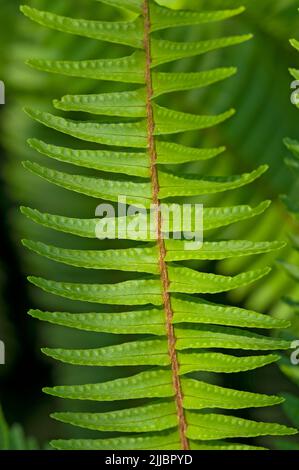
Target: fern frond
214,217
176,328
131,70
158,442
145,259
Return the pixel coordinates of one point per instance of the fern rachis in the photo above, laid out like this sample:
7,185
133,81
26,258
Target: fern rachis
178,325
171,338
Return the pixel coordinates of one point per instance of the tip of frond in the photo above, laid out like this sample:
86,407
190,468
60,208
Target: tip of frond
33,113
32,142
231,112
292,431
264,205
55,444
25,242
56,103
33,279
24,8
282,244
232,70
268,202
26,164
56,416
27,211
28,10
29,111
46,351
294,43
279,400
32,312
265,271
263,168
279,244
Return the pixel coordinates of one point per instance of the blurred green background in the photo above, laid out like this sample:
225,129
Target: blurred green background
261,94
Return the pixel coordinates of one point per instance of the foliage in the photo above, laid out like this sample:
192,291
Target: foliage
13,438
174,325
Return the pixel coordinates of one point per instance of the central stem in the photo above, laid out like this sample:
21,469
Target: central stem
160,240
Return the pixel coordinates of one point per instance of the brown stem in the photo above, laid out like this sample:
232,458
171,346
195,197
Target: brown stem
160,240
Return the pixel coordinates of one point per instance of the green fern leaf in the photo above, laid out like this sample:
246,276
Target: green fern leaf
135,164
149,384
166,51
171,186
126,69
94,187
134,259
124,134
140,292
185,280
178,332
150,352
164,441
199,395
224,363
169,82
212,426
213,217
128,104
159,441
129,33
149,418
197,310
227,338
218,250
162,18
143,322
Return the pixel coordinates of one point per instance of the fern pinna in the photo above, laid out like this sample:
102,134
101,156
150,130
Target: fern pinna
178,331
